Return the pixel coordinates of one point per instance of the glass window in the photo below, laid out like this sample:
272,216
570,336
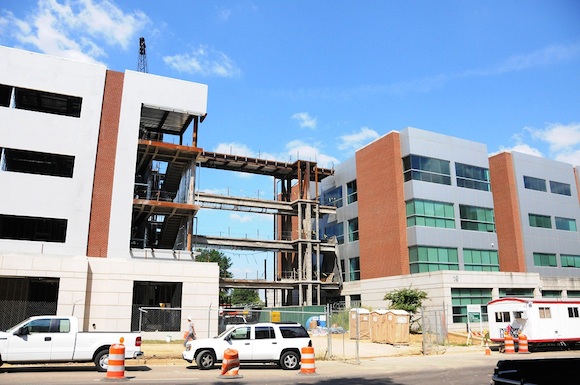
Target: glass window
570,260
5,95
516,292
426,169
430,213
297,331
560,188
33,228
334,230
332,197
480,260
573,312
353,230
502,316
565,224
264,332
552,293
40,163
63,326
544,259
472,177
351,192
241,333
543,221
354,269
477,218
545,312
38,326
423,259
534,183
48,102
461,297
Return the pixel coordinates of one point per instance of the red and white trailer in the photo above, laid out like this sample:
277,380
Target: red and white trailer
542,321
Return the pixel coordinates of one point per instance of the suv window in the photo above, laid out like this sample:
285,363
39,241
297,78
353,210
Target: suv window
297,331
264,332
241,333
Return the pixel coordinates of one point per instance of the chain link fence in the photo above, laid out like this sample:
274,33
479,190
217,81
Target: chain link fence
433,325
14,311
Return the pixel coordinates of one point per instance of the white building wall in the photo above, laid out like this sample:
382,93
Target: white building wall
71,272
140,88
541,240
438,286
112,282
48,196
455,150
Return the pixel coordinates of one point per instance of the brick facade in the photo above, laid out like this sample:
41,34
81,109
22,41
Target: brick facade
507,213
381,208
105,165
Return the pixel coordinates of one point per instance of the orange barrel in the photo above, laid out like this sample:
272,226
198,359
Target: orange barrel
230,364
523,344
509,344
307,365
116,366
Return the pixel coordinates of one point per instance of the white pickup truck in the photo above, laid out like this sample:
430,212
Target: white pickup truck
44,339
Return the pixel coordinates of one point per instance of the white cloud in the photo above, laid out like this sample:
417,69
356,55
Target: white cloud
234,148
561,140
295,150
203,61
75,29
241,218
305,120
298,149
353,142
523,148
560,137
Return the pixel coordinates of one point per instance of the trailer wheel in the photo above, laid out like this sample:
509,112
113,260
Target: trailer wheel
102,360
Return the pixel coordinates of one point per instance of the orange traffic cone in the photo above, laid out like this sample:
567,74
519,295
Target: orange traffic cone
307,365
487,349
523,344
509,344
230,364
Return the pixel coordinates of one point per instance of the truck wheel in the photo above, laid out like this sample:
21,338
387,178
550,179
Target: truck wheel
102,360
205,360
290,360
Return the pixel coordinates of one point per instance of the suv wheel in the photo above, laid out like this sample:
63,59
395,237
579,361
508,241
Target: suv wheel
205,360
290,360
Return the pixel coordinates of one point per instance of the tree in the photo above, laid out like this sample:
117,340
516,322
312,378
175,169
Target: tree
409,299
244,297
224,264
222,260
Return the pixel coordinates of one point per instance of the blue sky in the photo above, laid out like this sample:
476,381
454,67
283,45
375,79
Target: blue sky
316,80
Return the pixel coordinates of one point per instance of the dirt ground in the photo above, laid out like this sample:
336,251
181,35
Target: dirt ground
161,352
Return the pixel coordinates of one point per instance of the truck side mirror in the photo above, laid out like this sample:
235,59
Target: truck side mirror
23,331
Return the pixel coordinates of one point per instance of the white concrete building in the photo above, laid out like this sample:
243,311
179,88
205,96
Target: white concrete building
78,235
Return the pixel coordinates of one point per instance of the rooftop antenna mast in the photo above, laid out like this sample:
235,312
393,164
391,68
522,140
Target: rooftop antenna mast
142,66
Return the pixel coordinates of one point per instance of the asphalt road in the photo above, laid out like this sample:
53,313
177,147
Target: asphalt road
472,368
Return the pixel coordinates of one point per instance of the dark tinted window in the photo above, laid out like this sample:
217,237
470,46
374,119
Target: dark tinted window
264,332
534,183
293,331
48,102
32,228
40,163
560,188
